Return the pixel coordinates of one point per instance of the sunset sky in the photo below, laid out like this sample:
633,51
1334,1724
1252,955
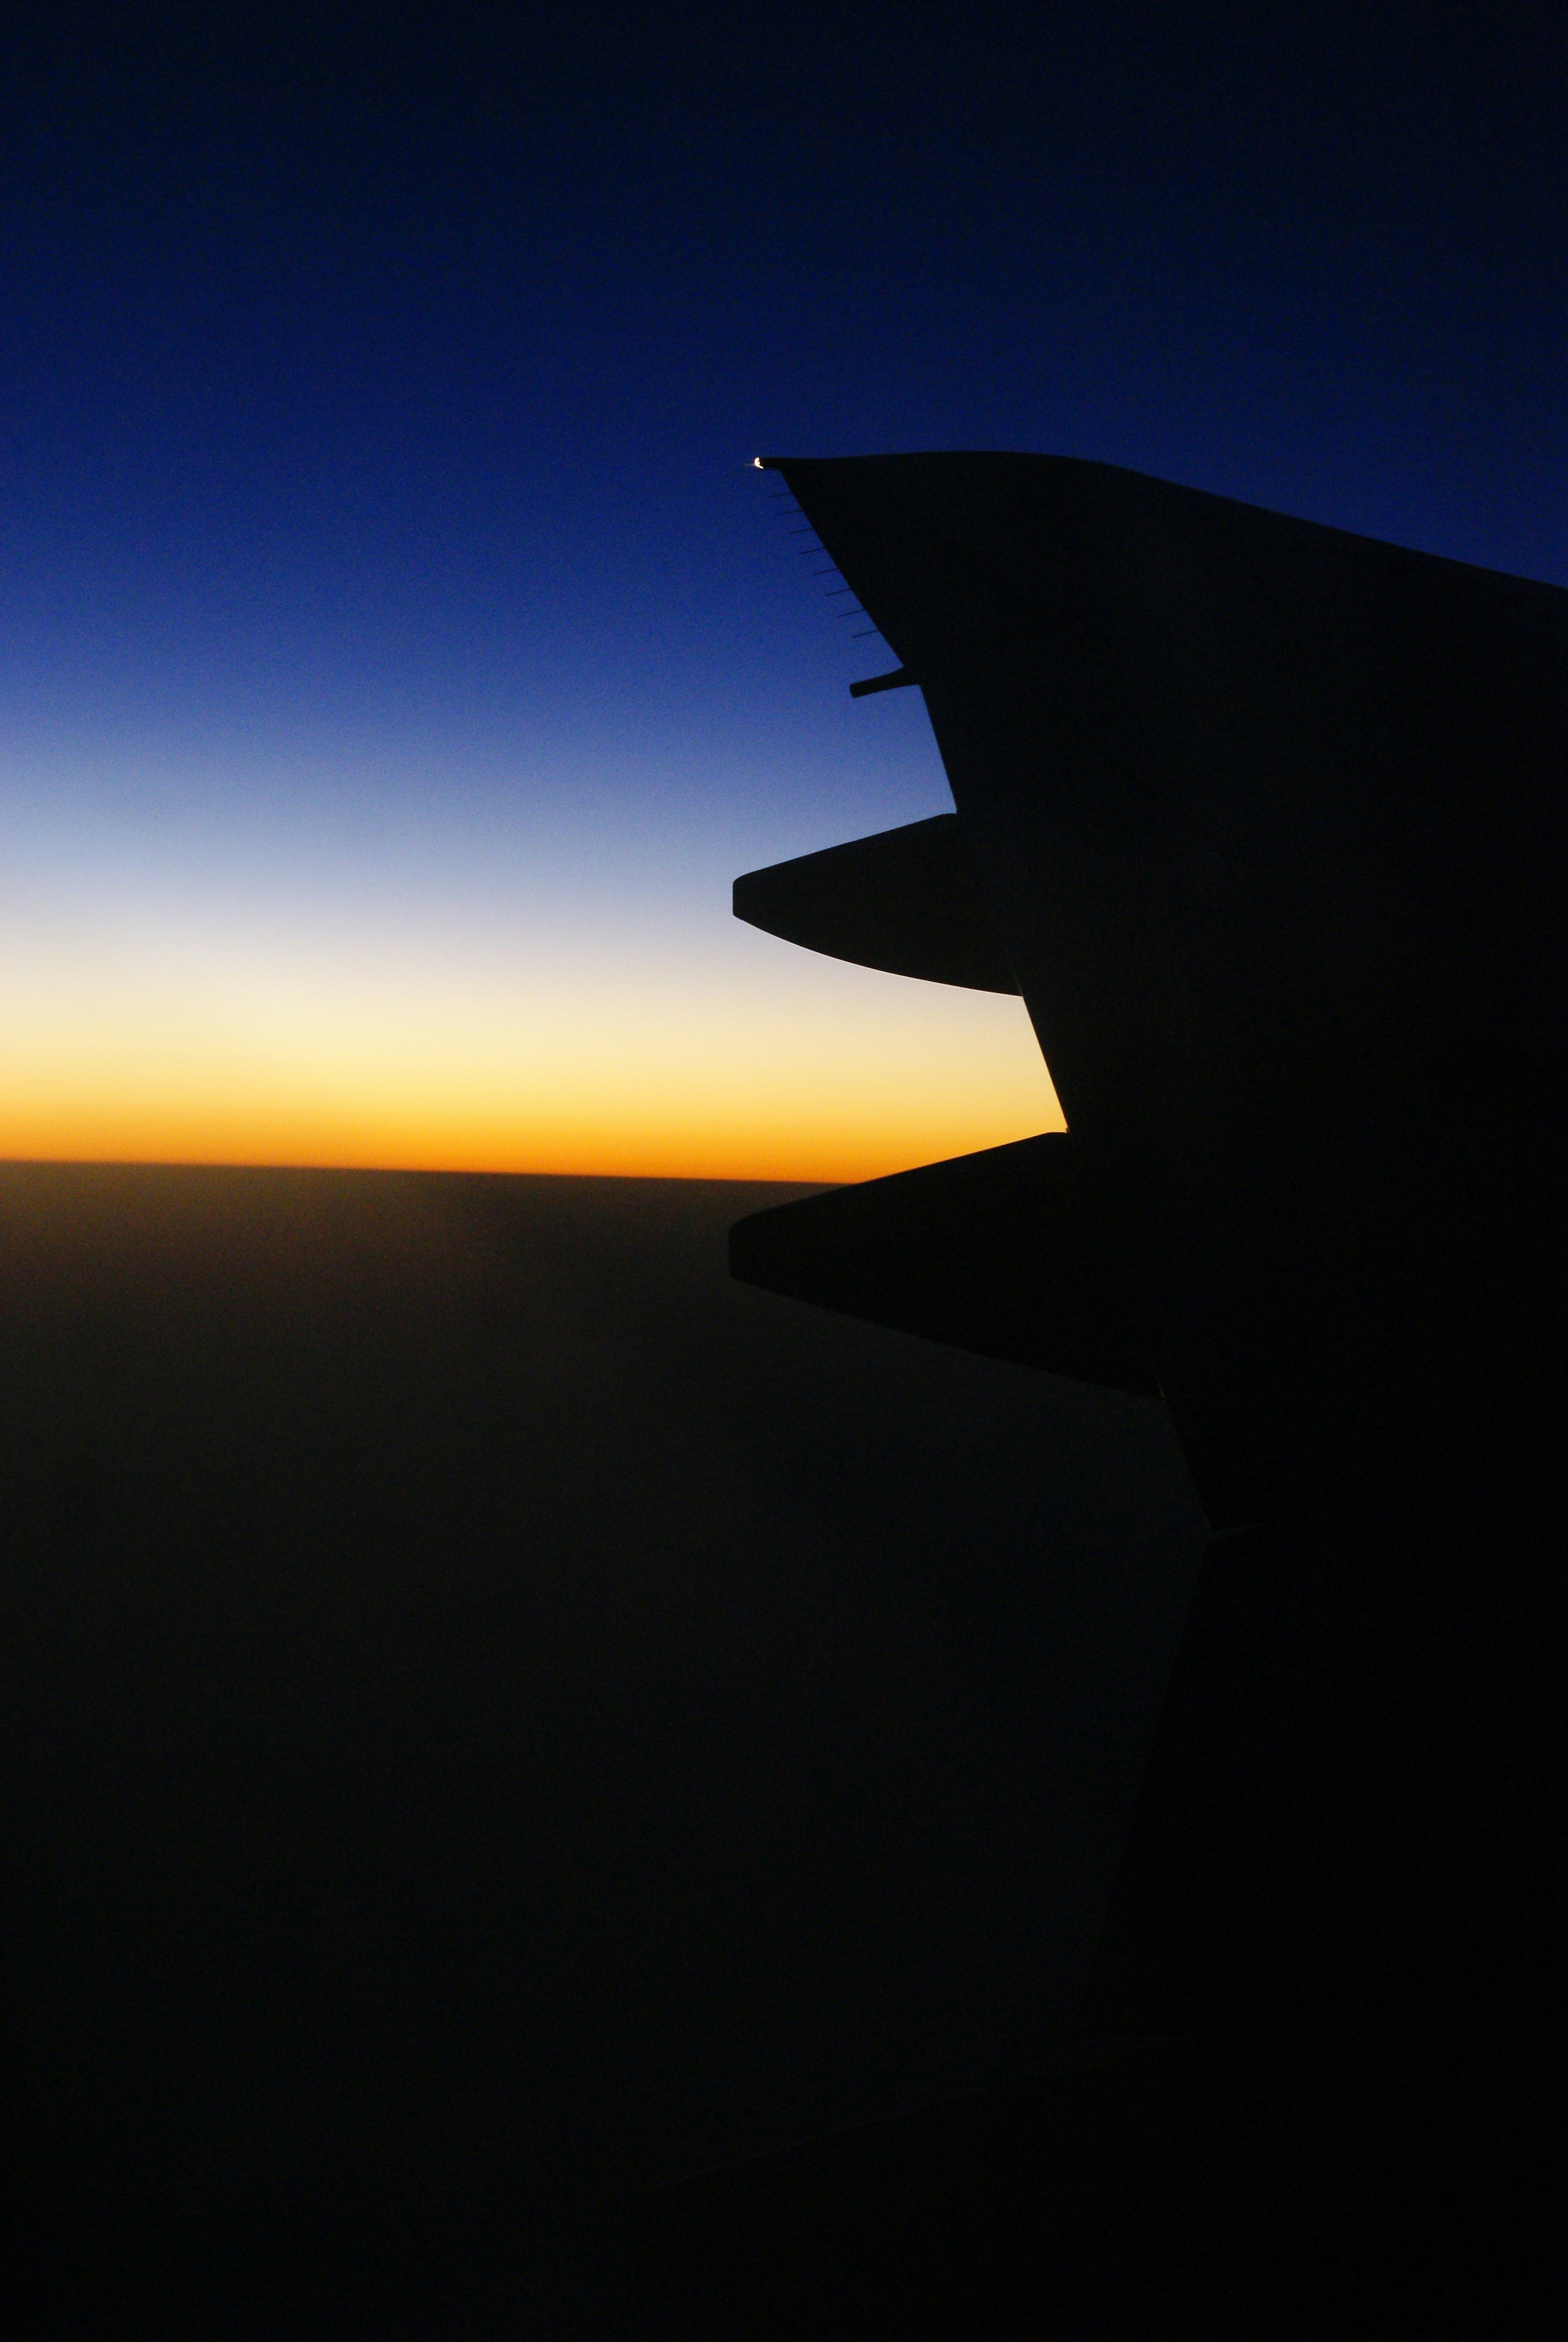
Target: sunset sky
398,658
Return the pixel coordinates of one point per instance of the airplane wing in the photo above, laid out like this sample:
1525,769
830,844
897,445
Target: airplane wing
1266,823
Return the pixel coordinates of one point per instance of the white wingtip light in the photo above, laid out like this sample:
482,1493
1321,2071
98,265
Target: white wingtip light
757,464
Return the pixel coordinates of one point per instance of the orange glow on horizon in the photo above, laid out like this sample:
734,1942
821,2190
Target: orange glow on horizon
249,981
688,1148
901,1074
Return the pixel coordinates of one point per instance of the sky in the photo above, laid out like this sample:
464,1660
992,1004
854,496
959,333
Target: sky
398,655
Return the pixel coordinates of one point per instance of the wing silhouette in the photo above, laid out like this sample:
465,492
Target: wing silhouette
1265,821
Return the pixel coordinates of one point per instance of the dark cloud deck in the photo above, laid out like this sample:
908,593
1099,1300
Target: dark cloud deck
495,1714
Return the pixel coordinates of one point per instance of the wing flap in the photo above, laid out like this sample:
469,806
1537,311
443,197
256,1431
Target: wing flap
999,1252
906,900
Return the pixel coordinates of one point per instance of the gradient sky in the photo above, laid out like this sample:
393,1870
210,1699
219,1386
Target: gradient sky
398,658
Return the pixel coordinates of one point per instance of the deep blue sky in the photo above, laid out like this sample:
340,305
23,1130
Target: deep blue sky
382,579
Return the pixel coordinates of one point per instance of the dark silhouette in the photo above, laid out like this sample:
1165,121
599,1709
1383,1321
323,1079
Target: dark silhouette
907,901
1003,1253
1265,822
